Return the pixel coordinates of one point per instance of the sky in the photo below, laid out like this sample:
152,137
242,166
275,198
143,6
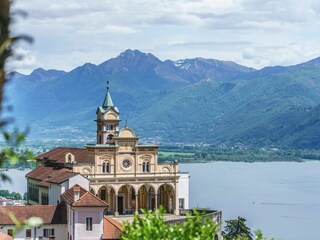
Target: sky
254,33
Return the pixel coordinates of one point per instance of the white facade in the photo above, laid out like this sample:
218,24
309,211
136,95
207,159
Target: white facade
183,190
80,180
80,217
60,232
55,190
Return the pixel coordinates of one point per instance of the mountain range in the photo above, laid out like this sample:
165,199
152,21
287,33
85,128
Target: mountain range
190,101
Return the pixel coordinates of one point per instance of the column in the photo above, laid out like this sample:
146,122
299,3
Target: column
116,213
128,191
109,200
156,201
137,203
176,200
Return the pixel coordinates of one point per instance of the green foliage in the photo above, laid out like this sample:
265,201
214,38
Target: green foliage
237,230
259,235
189,154
153,226
6,193
9,155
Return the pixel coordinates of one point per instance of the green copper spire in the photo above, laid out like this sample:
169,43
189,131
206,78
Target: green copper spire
107,100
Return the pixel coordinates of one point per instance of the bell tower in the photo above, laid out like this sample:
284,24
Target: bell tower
107,120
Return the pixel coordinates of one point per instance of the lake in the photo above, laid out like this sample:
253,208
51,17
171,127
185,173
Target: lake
281,198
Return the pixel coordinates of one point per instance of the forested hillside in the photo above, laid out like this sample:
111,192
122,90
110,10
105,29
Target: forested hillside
195,101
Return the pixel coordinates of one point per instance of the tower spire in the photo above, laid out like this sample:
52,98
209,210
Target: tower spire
107,100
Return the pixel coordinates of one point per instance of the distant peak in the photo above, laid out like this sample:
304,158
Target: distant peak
89,65
38,70
133,53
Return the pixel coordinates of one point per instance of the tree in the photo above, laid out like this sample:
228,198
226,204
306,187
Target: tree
153,226
237,229
196,227
8,154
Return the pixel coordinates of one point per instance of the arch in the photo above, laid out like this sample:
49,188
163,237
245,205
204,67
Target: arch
146,157
109,137
166,197
69,158
147,197
102,193
111,116
107,193
86,171
166,169
216,237
106,167
127,132
149,185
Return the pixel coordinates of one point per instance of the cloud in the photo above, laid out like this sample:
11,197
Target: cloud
21,59
70,33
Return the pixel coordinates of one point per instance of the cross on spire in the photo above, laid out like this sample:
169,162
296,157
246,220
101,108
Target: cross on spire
107,100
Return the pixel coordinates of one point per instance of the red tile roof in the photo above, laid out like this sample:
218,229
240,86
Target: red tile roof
50,214
47,174
5,236
58,155
111,228
86,199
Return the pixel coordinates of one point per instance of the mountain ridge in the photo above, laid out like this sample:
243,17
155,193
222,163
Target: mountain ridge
194,101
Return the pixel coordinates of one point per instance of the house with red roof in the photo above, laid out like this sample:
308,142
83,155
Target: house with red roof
79,215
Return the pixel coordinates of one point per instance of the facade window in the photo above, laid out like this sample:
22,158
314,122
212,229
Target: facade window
109,127
89,223
181,203
48,232
28,233
146,167
10,232
33,192
103,194
69,158
106,167
44,199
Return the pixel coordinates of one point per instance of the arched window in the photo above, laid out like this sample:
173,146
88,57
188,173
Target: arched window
146,166
106,167
143,167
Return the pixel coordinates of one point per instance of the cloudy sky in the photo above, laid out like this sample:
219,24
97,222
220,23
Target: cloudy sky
254,33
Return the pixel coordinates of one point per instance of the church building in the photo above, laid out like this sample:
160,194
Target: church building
87,193
121,172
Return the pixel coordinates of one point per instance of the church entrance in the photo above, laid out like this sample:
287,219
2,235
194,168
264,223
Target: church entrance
120,204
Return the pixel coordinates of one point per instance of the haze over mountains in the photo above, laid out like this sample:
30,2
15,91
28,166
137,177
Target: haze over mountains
187,101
